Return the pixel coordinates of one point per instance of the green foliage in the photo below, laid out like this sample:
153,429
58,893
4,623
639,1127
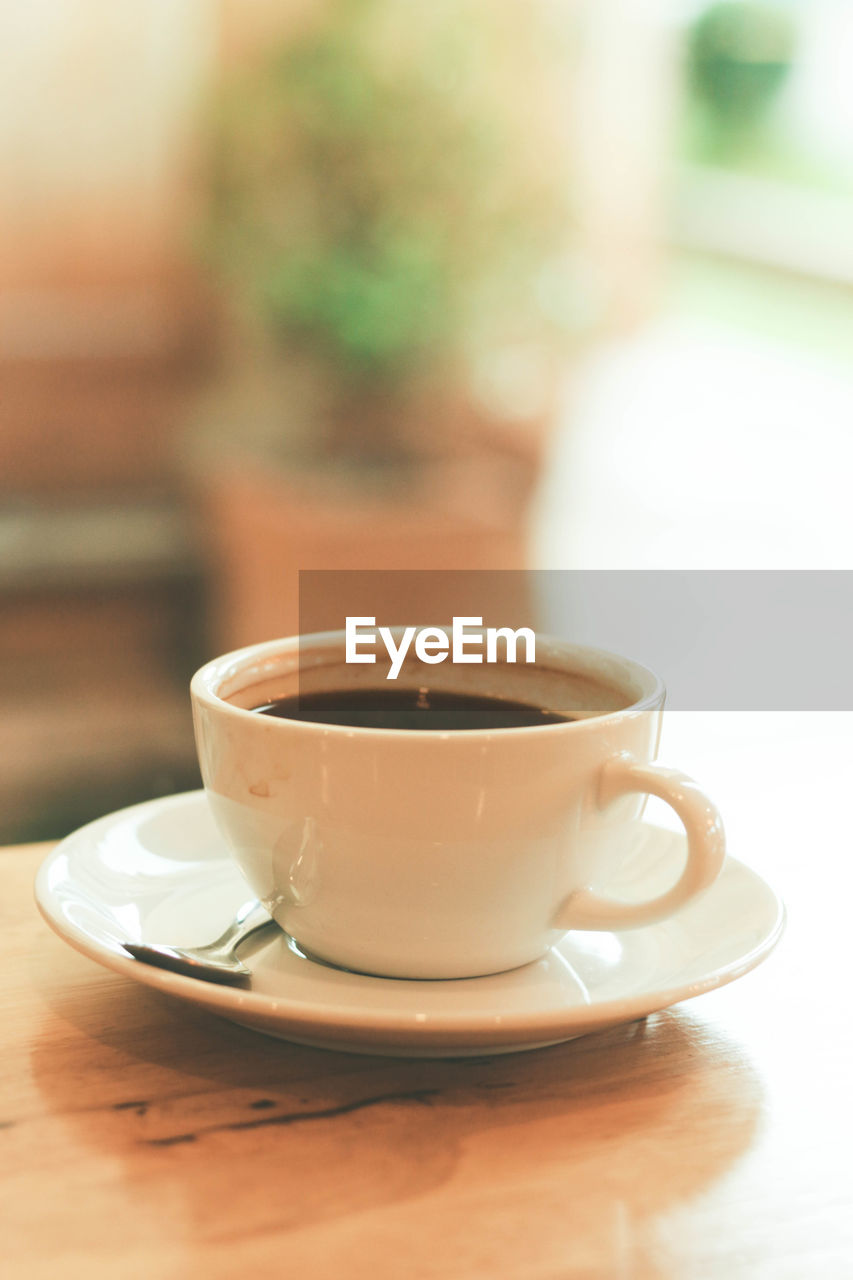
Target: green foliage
371,197
739,56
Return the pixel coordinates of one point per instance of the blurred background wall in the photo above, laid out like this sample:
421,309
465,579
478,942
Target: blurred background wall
563,283
99,338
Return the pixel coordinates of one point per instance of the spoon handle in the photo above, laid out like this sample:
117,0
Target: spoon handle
251,916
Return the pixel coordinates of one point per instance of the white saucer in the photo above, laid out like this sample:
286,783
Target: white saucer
159,872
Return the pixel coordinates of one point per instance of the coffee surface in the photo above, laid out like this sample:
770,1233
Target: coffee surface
428,709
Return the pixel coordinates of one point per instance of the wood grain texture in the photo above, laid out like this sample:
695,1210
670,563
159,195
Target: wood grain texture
140,1138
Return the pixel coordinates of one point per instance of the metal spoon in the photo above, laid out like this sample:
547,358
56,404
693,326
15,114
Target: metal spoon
215,962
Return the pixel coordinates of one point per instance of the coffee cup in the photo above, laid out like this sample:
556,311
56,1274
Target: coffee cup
449,853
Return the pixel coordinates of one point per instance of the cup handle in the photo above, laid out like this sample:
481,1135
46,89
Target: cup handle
706,847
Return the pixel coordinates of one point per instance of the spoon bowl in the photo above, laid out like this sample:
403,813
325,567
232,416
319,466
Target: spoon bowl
215,962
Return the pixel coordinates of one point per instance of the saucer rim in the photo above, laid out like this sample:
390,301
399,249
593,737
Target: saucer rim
333,1020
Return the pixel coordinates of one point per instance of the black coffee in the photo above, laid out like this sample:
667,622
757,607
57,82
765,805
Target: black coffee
409,709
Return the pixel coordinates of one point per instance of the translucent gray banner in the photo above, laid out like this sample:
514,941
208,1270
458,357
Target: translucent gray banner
721,640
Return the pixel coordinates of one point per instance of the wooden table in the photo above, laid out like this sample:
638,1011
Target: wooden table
141,1138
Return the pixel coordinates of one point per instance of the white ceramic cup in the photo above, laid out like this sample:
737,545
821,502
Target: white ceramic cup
425,854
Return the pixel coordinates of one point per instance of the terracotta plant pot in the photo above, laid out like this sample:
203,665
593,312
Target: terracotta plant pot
262,527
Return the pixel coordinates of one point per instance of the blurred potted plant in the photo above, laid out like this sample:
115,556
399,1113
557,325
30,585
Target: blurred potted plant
390,222
739,55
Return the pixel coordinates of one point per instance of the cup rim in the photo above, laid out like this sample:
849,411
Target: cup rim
262,657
